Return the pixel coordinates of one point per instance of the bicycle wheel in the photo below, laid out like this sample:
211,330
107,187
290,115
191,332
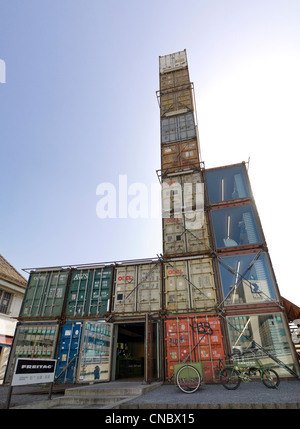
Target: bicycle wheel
188,379
270,378
230,378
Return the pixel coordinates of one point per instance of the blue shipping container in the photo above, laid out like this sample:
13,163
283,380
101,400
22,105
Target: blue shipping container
68,354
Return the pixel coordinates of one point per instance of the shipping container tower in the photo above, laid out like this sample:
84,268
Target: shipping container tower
211,292
220,291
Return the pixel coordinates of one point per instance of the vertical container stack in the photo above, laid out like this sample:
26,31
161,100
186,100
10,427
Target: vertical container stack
184,225
192,329
249,295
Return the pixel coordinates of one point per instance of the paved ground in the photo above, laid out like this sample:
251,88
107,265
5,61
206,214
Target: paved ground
214,395
22,395
251,395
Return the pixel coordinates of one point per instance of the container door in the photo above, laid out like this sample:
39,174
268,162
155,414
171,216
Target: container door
152,349
125,289
68,354
96,350
100,289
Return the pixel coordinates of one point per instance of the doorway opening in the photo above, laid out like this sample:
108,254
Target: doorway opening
130,350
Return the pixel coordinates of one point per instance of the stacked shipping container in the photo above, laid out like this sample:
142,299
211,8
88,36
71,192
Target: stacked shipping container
212,291
232,273
58,309
189,279
249,295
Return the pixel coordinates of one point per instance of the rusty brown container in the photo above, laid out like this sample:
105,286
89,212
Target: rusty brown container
176,101
174,79
180,156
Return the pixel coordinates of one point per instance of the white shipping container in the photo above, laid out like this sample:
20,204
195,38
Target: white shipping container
182,191
173,61
189,285
188,234
137,288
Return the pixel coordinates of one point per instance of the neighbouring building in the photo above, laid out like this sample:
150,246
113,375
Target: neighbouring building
12,289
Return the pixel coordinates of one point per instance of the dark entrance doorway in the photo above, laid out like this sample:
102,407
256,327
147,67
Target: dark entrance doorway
130,353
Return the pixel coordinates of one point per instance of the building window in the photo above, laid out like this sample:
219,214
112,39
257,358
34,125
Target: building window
235,226
246,279
227,184
267,331
5,299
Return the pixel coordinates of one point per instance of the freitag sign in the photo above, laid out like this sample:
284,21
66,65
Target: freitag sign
33,371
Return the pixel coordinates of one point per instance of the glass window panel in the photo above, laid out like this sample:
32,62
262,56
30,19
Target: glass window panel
269,332
96,351
227,184
246,279
235,226
5,298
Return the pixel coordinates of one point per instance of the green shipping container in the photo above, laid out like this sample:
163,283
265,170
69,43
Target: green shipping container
45,294
90,291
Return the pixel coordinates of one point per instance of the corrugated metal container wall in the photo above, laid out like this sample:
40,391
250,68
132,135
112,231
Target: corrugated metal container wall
189,285
179,101
177,128
182,191
68,354
174,79
194,338
84,352
173,61
137,288
179,239
90,292
45,294
179,156
33,340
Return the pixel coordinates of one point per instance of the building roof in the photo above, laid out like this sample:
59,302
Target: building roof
292,310
10,274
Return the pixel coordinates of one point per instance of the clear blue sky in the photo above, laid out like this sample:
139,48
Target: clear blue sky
79,108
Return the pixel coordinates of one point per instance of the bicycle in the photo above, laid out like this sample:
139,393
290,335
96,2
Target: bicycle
244,370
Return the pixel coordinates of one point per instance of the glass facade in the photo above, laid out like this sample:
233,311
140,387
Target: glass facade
96,352
268,331
33,341
246,279
235,226
227,184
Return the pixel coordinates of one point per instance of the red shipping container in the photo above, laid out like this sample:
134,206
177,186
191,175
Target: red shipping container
194,338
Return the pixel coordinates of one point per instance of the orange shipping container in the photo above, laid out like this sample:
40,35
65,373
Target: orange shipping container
194,338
